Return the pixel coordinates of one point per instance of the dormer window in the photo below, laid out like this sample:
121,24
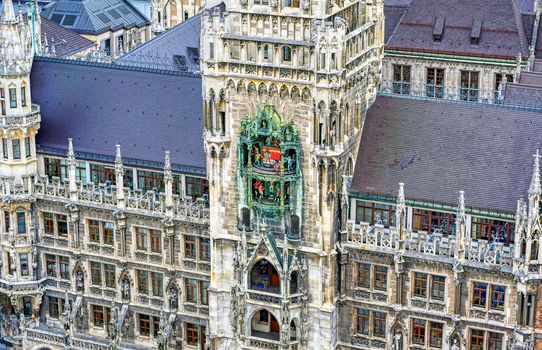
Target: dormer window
438,29
12,97
476,32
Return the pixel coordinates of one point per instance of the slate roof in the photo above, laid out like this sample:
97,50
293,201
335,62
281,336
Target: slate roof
100,105
173,50
393,14
66,42
438,148
528,91
94,16
502,34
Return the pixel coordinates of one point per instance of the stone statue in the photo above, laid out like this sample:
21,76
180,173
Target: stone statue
22,323
173,299
113,327
80,282
234,312
397,340
162,332
455,345
125,289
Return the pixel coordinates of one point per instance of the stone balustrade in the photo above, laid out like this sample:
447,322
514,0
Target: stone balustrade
24,120
433,244
184,209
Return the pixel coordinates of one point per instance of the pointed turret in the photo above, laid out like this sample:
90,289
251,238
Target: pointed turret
461,229
8,13
535,189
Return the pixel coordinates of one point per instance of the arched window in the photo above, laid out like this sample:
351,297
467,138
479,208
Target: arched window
294,282
265,277
185,15
286,53
266,53
264,325
23,96
245,218
294,225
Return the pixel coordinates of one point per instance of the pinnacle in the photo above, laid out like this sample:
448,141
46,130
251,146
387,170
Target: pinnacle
8,13
535,188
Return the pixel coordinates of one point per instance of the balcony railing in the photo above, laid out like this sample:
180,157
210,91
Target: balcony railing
106,195
435,243
17,121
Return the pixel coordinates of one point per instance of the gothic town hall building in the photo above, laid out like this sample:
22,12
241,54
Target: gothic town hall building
281,196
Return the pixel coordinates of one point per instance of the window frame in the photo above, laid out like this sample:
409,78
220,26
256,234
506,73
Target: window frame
467,90
402,79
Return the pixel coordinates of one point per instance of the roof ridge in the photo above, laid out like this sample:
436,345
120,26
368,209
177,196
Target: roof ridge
400,20
117,66
167,34
519,27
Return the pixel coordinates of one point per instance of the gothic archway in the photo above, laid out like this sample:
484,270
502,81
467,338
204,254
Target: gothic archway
264,325
264,276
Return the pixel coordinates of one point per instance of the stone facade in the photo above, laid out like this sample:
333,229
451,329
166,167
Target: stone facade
166,14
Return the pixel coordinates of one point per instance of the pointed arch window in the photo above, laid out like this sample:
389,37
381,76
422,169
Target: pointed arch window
12,98
287,54
16,143
23,96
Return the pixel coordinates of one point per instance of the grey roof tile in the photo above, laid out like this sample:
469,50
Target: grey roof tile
502,36
161,52
95,16
65,41
438,148
100,105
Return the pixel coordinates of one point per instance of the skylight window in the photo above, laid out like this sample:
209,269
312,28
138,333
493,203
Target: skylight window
114,14
69,20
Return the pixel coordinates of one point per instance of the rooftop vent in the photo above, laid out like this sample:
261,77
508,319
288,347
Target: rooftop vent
438,29
475,32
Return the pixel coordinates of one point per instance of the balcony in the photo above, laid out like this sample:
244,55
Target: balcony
379,237
195,211
26,120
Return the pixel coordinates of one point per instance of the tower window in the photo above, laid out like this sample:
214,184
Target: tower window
185,15
16,148
266,53
21,222
23,96
211,51
286,54
27,149
2,101
13,98
5,148
23,259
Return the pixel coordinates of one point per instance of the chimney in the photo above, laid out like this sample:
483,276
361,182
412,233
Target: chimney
438,29
475,32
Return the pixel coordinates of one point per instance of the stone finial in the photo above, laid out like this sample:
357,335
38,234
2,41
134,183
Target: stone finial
535,188
71,152
167,167
118,157
8,13
461,205
401,195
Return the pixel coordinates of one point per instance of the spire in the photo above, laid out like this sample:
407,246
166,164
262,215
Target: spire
535,189
71,153
118,161
8,13
167,166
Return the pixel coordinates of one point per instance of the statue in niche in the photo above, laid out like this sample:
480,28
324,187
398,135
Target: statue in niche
263,124
162,332
173,299
80,281
398,340
125,289
455,344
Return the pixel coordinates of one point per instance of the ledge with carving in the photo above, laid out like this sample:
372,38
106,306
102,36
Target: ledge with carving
22,287
487,315
429,245
30,119
428,304
368,342
105,197
364,294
